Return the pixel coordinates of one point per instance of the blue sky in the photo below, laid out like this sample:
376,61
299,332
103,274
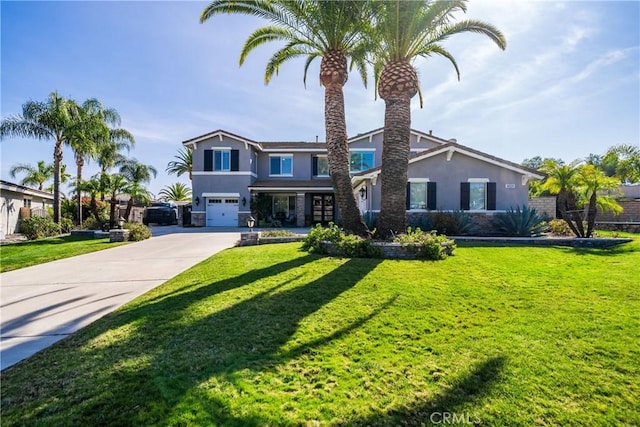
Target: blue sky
567,85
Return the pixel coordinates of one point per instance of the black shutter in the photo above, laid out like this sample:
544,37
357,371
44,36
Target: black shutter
431,196
208,160
315,166
408,195
465,194
491,196
235,160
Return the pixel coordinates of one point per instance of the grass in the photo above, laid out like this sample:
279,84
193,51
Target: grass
20,255
270,335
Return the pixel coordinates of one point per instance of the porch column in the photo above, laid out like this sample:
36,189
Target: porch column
300,209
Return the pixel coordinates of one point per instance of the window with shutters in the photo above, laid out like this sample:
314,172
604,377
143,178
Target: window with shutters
478,195
421,194
281,165
221,160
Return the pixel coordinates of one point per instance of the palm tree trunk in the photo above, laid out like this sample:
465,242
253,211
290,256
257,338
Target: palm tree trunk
79,165
338,156
395,163
591,214
127,212
57,167
112,211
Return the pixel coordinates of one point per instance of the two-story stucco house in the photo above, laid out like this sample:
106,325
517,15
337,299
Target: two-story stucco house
229,170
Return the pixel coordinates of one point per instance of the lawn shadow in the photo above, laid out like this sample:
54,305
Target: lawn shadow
446,407
182,355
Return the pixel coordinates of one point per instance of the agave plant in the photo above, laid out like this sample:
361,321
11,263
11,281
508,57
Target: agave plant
523,222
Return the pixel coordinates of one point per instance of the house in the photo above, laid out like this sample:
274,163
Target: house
17,202
293,178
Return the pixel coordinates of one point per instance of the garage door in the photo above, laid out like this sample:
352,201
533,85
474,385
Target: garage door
222,212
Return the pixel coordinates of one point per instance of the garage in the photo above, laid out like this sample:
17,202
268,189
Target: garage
222,211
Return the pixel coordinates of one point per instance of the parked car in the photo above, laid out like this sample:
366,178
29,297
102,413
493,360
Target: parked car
163,213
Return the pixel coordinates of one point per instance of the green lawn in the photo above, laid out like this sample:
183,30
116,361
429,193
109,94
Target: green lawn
269,335
20,255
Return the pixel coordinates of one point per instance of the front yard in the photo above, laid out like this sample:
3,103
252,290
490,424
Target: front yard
25,254
270,335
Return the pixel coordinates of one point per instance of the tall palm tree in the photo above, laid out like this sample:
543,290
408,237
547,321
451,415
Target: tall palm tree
183,164
405,31
33,176
64,178
177,192
93,187
137,174
90,131
332,31
51,119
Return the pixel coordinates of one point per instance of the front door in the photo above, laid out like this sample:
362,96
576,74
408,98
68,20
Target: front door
323,208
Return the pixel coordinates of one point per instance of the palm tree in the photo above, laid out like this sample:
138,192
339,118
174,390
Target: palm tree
404,31
561,180
177,192
183,164
332,31
90,131
113,185
93,187
109,156
51,119
33,176
593,184
64,177
137,174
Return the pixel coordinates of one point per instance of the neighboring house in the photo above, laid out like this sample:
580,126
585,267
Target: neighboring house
229,170
18,201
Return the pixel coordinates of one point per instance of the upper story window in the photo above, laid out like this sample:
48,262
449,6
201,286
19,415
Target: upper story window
361,160
281,165
221,160
320,166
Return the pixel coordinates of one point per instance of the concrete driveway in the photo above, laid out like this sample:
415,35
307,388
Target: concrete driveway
44,303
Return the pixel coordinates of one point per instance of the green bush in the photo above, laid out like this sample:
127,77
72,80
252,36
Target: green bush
66,225
38,227
457,223
91,224
523,222
346,245
277,233
137,231
434,246
370,219
559,227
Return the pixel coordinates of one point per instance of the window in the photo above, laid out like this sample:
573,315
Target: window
281,165
284,206
320,166
222,160
478,195
26,203
421,195
361,160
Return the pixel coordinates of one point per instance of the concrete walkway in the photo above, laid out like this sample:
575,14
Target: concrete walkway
44,303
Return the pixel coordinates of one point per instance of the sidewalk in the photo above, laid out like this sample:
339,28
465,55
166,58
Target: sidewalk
44,303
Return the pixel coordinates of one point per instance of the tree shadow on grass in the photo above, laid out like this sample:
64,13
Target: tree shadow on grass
158,368
446,407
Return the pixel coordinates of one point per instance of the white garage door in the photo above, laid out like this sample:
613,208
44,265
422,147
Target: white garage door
222,212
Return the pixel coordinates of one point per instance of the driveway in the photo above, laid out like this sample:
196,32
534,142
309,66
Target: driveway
44,303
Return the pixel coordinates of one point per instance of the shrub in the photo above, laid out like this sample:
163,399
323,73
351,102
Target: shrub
434,247
370,220
137,231
277,233
91,224
520,223
346,245
453,223
38,227
560,227
66,224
